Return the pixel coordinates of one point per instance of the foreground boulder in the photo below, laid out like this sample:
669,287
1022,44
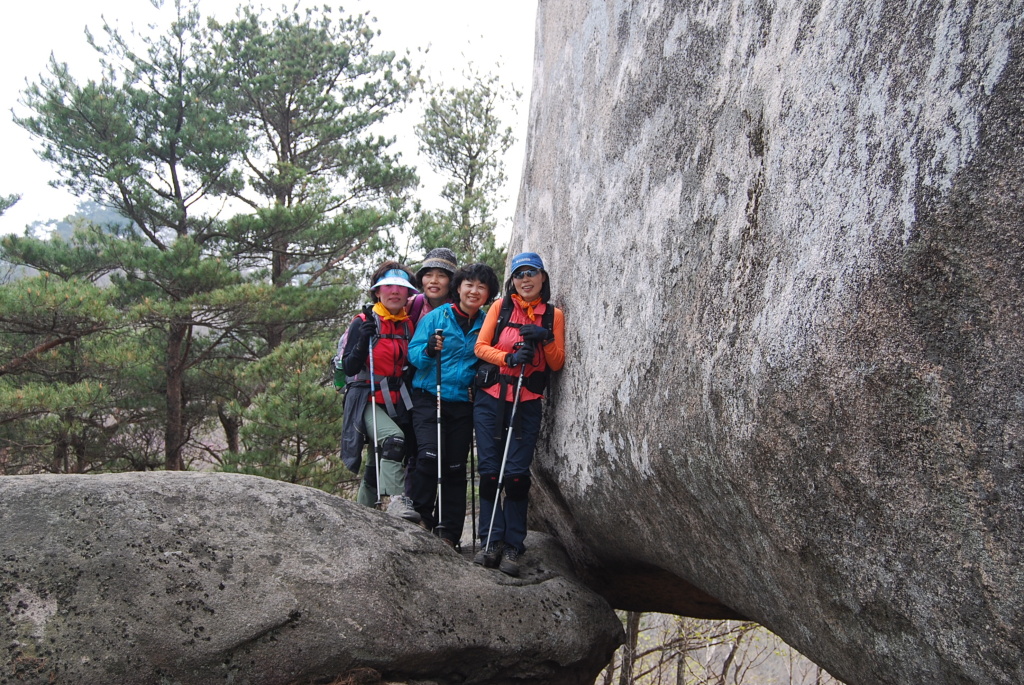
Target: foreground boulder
196,578
789,241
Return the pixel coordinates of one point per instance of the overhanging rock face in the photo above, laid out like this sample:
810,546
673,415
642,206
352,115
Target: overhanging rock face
788,240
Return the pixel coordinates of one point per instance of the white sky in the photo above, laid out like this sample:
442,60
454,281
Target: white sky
456,32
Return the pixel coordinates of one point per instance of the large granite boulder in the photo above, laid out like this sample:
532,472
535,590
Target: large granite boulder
185,578
788,238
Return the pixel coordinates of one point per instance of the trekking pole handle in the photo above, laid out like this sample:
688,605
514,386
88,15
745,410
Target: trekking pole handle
516,347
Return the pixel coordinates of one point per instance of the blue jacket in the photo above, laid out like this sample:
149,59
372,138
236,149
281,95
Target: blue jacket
458,361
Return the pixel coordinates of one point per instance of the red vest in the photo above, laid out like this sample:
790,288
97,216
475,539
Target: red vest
507,342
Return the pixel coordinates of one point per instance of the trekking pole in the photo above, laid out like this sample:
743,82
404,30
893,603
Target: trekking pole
504,457
439,333
472,489
373,411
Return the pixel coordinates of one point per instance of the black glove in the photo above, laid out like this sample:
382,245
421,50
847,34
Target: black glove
521,356
367,330
533,333
432,344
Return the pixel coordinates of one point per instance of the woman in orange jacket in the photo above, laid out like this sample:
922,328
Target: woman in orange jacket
521,342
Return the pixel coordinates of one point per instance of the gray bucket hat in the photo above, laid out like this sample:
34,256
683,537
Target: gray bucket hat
439,258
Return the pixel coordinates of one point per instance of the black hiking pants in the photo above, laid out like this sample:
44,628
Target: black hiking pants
456,437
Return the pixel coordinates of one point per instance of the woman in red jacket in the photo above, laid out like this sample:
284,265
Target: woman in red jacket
524,337
377,343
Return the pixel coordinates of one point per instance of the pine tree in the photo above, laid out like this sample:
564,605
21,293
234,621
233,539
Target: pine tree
7,201
290,428
60,380
464,140
152,140
184,316
273,114
324,191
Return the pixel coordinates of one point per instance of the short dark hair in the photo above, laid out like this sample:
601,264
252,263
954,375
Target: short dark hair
379,272
545,290
475,272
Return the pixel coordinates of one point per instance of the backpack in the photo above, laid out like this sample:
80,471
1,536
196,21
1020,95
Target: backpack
339,373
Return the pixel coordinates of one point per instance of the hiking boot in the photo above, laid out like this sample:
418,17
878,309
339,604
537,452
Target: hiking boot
454,544
401,506
488,556
509,561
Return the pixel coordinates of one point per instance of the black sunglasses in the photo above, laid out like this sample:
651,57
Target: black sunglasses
525,273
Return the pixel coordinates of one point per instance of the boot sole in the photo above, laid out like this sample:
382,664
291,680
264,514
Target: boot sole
508,570
487,561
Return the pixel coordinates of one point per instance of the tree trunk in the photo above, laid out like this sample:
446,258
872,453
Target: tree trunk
278,266
609,673
80,452
733,649
174,431
629,649
231,426
60,457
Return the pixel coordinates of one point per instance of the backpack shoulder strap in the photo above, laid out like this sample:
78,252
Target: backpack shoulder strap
406,333
504,314
547,319
417,307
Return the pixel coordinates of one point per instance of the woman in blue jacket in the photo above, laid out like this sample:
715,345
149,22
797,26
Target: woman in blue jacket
473,287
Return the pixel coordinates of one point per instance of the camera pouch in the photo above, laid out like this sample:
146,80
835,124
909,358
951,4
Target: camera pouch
486,375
